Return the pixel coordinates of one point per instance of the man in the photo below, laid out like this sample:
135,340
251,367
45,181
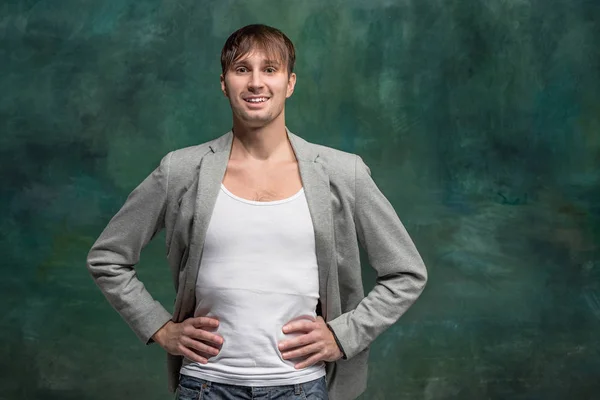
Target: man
262,237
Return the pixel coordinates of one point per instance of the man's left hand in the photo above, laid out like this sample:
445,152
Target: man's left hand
317,341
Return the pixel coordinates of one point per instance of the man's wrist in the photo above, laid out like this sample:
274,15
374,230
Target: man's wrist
337,342
158,335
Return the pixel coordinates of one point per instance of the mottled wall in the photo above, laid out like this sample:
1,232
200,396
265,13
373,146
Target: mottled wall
480,120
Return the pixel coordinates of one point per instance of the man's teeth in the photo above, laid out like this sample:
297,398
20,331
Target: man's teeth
258,100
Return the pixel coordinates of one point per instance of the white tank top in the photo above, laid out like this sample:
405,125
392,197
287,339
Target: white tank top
258,271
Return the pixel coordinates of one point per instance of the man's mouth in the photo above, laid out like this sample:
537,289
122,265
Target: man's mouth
256,99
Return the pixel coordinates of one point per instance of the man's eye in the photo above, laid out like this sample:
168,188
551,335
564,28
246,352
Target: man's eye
241,69
270,69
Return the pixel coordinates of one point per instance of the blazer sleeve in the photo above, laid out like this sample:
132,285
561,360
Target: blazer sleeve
113,256
401,273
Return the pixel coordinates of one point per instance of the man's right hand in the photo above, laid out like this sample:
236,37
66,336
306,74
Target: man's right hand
189,339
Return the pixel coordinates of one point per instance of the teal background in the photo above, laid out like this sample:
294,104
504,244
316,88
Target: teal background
480,121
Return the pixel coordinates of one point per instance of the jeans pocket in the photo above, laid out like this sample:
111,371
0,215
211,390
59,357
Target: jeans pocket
184,393
316,390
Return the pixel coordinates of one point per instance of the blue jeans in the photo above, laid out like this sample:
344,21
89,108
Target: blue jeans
191,388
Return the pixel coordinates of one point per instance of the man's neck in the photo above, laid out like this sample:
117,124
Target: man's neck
267,144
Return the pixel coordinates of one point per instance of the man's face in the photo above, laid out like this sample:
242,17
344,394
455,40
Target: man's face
257,89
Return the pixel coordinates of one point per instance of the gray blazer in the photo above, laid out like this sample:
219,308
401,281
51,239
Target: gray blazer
346,207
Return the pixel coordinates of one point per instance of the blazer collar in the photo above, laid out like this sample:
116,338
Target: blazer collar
315,181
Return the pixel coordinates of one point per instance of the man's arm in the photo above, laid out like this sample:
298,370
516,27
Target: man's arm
113,256
401,273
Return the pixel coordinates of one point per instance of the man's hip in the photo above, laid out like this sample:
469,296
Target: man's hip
192,388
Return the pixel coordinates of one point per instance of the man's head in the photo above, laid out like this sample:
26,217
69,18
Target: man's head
257,62
271,41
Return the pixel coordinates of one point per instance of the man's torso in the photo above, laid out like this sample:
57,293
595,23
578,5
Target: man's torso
330,188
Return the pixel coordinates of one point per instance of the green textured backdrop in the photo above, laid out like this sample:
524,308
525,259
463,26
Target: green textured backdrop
480,120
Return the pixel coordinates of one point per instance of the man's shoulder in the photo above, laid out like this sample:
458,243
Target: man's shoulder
188,158
333,154
183,163
335,160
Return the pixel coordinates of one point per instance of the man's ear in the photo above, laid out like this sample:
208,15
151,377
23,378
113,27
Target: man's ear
291,84
223,86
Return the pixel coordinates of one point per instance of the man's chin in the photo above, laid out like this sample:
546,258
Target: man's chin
256,121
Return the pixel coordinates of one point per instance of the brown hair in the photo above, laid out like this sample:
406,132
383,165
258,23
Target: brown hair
268,39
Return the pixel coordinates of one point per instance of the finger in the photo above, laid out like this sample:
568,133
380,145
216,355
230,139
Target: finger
309,361
302,351
192,355
298,341
299,326
200,353
199,322
199,346
200,334
303,317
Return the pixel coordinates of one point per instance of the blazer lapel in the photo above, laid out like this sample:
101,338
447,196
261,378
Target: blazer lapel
315,181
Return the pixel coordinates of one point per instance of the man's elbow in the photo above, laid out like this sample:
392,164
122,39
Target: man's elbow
102,265
417,275
94,261
421,277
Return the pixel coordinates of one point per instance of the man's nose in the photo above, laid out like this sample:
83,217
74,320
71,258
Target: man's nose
255,81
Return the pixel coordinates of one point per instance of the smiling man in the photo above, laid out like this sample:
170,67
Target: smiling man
262,236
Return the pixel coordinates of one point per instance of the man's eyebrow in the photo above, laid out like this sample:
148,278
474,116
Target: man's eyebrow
266,61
